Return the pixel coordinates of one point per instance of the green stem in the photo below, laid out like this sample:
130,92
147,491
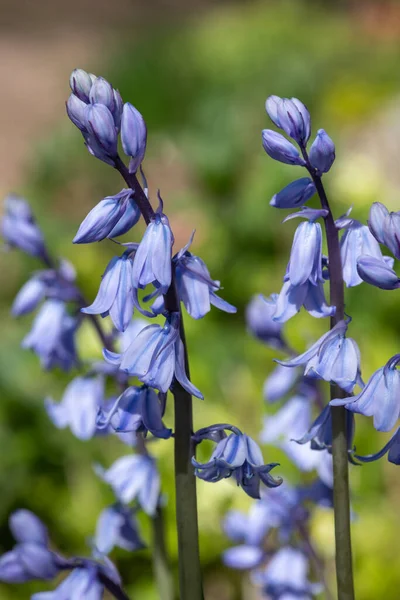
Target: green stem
341,490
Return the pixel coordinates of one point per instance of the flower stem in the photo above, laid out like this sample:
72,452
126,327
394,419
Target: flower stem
190,580
341,492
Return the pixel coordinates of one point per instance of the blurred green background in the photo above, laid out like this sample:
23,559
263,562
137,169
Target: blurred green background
200,76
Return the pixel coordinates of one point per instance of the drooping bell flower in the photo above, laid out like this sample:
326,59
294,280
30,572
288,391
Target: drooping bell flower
19,229
260,323
356,241
117,527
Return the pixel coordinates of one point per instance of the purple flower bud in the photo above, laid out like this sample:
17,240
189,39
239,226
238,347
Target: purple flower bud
102,132
118,108
79,406
133,136
279,148
376,272
240,456
81,84
259,313
378,215
27,527
111,217
134,476
76,110
306,255
52,336
391,233
380,398
357,241
117,527
28,297
102,92
322,152
271,106
115,295
295,194
294,119
19,229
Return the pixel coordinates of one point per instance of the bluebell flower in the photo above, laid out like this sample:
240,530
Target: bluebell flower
195,287
378,215
377,272
292,297
52,336
305,263
89,89
243,557
19,229
392,449
259,313
79,406
156,356
285,576
320,432
334,358
101,92
111,217
392,233
322,152
134,477
117,527
240,456
279,383
290,115
286,426
102,136
279,148
380,397
29,296
115,295
133,136
152,264
137,409
31,557
81,83
356,241
295,194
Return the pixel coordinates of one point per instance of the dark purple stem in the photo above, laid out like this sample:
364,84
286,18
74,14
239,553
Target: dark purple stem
341,491
190,580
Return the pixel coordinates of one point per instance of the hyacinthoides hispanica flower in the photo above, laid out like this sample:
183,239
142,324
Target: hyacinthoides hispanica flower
304,269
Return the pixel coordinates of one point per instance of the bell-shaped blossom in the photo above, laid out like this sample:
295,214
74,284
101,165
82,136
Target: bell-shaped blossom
117,527
239,456
305,263
134,477
155,356
133,136
111,217
377,272
392,449
52,336
287,425
279,383
357,241
137,409
292,297
115,295
79,406
260,322
152,264
19,229
295,194
30,558
322,152
380,398
320,432
290,115
333,357
279,148
285,576
195,287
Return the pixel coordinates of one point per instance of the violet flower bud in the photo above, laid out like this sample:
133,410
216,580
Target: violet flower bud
322,152
378,214
279,148
101,92
28,297
294,119
295,194
376,272
76,110
111,217
102,141
391,233
133,136
81,84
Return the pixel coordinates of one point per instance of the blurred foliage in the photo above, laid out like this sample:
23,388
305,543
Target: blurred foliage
201,87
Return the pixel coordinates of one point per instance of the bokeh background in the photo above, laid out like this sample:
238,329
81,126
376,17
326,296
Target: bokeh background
199,73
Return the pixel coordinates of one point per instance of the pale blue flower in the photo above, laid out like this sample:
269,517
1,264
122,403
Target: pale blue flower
322,152
357,241
133,136
117,527
279,383
305,263
377,272
291,115
260,323
292,297
19,229
378,214
279,148
295,194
